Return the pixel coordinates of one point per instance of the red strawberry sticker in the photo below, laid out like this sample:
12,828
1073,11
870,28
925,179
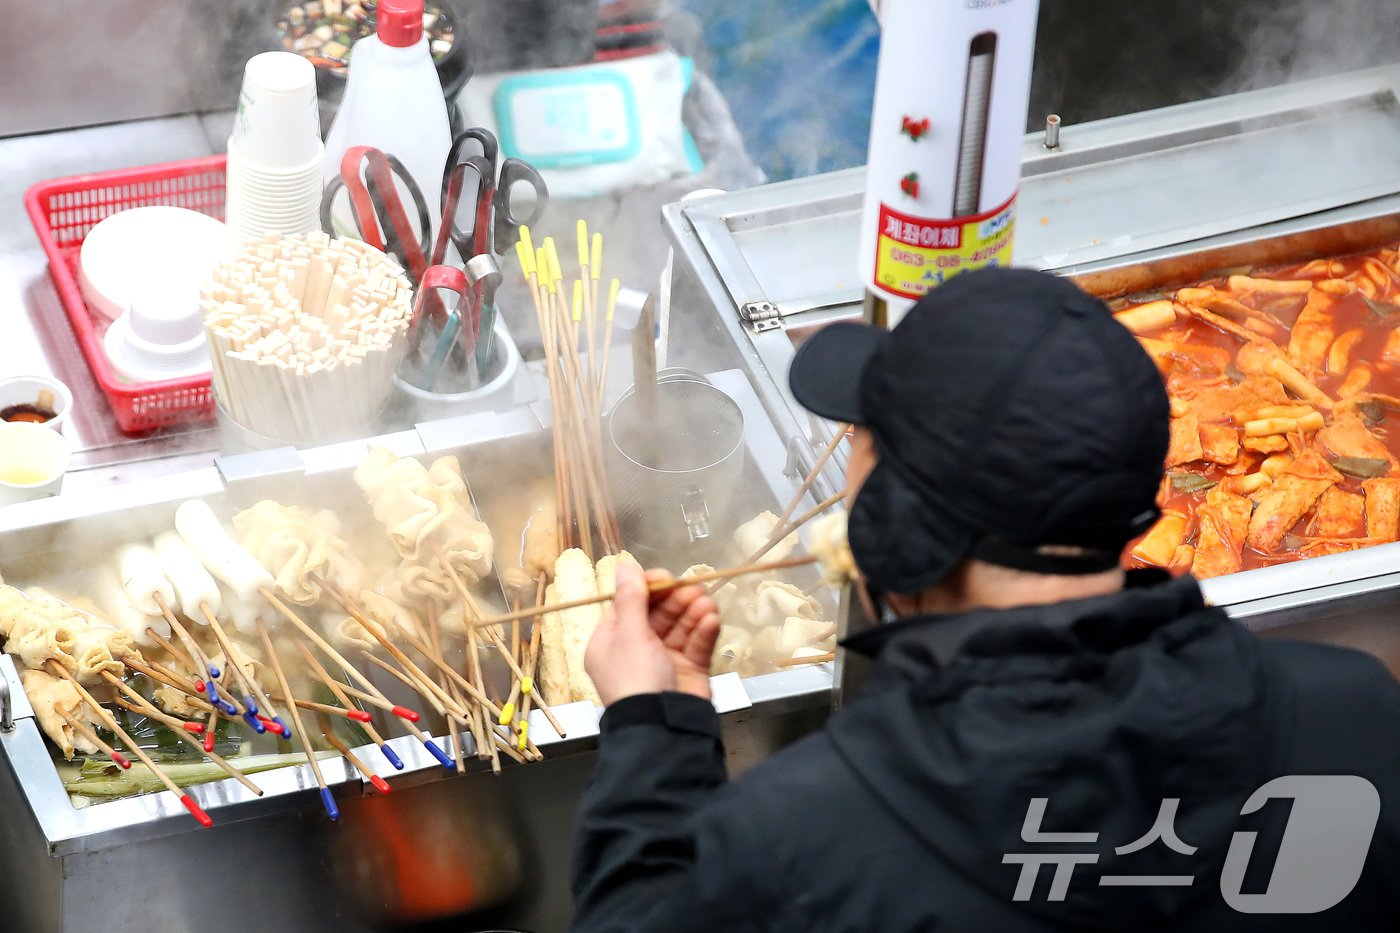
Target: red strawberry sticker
909,184
914,129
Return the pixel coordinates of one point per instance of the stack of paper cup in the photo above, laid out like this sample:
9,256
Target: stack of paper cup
275,152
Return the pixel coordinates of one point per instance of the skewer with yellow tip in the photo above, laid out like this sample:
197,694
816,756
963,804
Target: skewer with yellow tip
584,303
595,269
614,287
583,247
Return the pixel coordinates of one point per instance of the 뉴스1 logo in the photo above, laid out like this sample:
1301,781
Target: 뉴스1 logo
1319,861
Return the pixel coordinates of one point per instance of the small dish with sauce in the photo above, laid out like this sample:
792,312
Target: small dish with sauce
35,400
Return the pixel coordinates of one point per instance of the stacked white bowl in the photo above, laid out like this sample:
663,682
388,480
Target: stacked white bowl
275,152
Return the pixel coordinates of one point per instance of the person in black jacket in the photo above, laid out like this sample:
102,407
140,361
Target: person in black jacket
1045,742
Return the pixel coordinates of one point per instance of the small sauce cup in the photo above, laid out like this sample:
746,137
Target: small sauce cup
35,400
33,460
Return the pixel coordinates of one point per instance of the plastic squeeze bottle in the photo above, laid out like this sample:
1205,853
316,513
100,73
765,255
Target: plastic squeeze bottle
393,102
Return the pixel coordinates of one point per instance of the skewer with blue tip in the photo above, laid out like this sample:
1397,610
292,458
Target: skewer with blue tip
328,801
394,759
443,758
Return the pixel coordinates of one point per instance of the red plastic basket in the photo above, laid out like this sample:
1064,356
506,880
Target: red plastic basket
63,211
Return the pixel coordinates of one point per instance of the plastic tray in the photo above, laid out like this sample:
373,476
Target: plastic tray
63,210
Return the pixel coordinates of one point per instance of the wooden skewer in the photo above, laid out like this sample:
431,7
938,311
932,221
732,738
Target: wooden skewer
210,727
422,735
342,694
185,799
531,665
254,690
461,682
782,531
816,469
404,679
180,656
197,654
379,783
177,726
415,672
814,659
526,682
165,676
474,669
327,798
457,726
466,685
661,586
321,643
80,727
354,715
364,697
170,679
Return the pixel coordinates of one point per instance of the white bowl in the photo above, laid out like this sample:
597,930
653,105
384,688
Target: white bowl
144,244
160,337
25,390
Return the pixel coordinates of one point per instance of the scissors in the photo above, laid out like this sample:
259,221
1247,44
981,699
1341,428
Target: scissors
377,209
496,219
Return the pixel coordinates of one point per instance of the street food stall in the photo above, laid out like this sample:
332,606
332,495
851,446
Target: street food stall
299,643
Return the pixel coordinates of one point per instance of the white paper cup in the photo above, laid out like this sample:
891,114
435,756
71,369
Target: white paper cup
33,460
278,123
25,390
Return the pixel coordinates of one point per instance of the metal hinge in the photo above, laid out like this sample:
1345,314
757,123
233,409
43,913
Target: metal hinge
765,315
761,316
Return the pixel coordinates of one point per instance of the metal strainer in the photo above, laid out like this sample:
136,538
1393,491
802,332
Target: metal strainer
674,468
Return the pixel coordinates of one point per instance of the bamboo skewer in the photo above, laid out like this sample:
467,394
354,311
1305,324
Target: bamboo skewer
474,668
254,689
457,726
341,693
321,643
815,659
531,665
180,656
210,731
205,672
433,691
576,392
354,715
614,287
780,531
328,731
147,708
525,682
80,727
654,588
421,734
185,799
327,798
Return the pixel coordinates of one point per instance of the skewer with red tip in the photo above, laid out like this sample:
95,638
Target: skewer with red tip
196,811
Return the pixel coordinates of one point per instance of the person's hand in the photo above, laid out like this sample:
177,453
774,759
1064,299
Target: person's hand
646,644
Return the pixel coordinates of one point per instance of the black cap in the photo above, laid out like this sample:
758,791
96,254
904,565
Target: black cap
1011,412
